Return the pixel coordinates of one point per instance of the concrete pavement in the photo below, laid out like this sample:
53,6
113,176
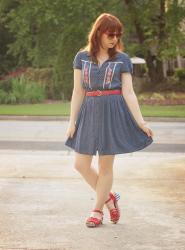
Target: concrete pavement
50,135
66,118
44,202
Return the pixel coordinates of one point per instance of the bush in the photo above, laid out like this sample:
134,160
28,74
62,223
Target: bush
26,91
180,73
3,97
6,85
175,95
157,96
151,96
46,78
171,84
21,90
11,98
35,92
7,98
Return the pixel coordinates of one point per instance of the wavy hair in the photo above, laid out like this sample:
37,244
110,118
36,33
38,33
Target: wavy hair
105,22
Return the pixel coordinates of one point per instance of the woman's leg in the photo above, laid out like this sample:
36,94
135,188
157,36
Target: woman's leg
105,179
83,166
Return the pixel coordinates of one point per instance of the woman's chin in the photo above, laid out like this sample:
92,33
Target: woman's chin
110,46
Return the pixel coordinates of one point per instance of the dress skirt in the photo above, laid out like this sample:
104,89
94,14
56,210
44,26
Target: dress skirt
105,125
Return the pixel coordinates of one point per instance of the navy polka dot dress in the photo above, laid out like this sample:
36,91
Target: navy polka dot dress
104,123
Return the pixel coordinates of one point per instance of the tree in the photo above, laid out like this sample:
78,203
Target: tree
44,33
159,30
7,60
49,33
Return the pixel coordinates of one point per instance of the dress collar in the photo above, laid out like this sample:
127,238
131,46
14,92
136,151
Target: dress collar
88,54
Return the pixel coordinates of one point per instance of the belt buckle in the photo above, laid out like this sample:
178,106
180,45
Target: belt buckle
99,92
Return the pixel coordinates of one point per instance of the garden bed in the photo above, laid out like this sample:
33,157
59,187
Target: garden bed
164,98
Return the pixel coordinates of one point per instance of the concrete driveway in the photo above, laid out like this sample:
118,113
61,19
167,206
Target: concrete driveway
44,202
50,135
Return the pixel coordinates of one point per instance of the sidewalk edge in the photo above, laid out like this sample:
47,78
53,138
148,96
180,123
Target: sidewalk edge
66,118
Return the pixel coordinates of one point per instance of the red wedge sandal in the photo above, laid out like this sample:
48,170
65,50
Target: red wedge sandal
94,222
115,212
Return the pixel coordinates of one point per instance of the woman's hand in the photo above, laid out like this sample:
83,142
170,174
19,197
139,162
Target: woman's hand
71,129
144,126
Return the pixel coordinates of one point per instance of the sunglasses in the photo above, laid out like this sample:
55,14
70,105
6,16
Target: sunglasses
112,35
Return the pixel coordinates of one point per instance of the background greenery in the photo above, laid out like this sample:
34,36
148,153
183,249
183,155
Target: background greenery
45,35
63,108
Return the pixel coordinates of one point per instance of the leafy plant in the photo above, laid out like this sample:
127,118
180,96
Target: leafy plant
3,97
26,91
180,73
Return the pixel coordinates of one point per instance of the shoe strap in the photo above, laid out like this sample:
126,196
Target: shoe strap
94,220
97,211
111,195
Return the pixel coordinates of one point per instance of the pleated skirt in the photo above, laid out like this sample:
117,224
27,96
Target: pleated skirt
106,126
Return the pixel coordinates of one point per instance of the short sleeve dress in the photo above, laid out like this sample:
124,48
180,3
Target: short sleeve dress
104,123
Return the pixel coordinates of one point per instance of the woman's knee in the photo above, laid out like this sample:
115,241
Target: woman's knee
105,170
105,165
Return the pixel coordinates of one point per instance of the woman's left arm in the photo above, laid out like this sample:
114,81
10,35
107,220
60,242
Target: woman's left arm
132,102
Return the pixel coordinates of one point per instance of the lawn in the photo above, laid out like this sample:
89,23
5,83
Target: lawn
63,109
36,109
163,111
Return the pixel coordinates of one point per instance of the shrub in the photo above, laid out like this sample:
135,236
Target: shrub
46,78
180,73
34,92
144,96
3,97
6,85
157,96
22,91
25,91
19,89
11,98
175,95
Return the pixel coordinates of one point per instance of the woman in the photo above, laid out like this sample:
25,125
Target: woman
105,115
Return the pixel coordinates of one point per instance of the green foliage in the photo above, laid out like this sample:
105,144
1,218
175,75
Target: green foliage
3,96
26,91
62,108
22,91
6,85
157,96
167,95
47,34
180,73
8,61
51,33
161,33
11,99
46,77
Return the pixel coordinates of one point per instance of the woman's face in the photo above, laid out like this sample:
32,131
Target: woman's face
109,39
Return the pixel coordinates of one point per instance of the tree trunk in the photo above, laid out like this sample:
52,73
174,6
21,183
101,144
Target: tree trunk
154,64
155,68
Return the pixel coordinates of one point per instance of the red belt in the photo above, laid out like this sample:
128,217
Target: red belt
104,92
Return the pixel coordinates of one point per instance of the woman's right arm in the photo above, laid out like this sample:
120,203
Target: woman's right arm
76,102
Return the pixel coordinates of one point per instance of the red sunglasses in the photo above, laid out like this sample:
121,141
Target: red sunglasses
111,35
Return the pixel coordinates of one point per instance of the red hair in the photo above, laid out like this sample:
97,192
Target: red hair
104,22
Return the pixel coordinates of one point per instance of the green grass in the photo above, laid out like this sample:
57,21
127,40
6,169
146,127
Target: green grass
63,109
36,109
163,111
